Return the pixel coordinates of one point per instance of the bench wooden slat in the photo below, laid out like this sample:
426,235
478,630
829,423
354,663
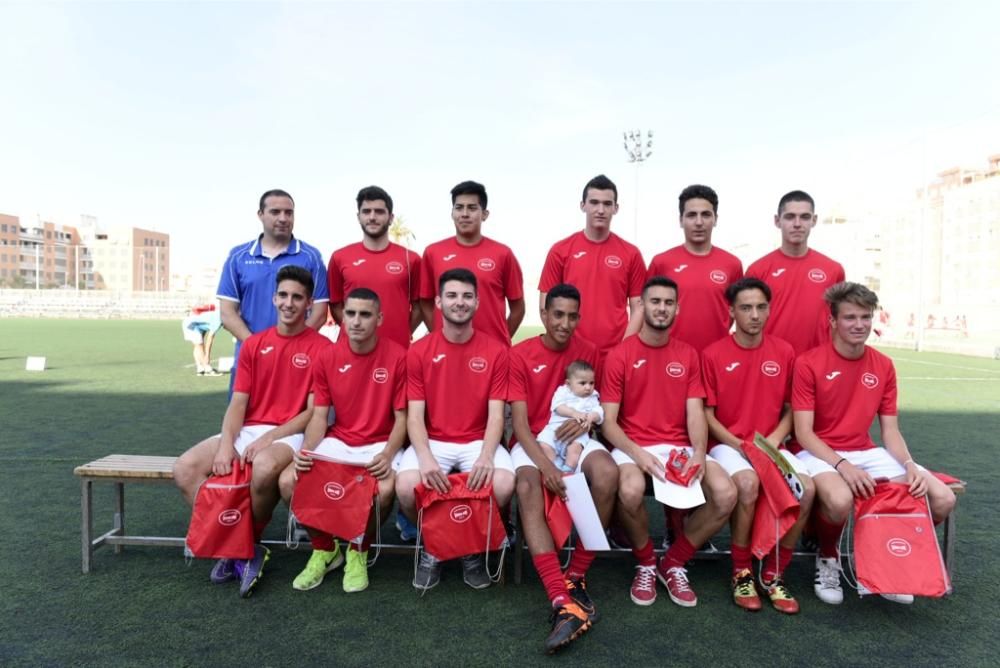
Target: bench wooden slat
128,466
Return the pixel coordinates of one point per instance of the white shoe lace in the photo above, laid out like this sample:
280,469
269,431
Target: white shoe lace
645,578
828,574
678,577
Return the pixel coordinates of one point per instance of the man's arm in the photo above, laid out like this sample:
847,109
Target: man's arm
611,431
314,433
516,316
431,474
427,311
337,311
317,315
229,312
861,483
892,438
697,429
416,315
718,431
551,476
381,464
481,473
783,428
232,422
634,316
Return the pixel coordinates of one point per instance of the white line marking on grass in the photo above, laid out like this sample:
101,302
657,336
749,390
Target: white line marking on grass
949,366
982,380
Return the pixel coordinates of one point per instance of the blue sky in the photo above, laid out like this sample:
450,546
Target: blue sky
176,116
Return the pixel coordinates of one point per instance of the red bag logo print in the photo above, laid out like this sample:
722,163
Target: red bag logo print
334,491
460,514
230,517
898,547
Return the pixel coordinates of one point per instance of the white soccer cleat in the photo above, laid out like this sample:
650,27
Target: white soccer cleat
827,582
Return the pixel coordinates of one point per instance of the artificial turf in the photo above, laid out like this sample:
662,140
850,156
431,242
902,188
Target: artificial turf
128,387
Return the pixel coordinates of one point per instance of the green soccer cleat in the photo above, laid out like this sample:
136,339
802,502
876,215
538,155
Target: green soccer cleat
356,571
320,563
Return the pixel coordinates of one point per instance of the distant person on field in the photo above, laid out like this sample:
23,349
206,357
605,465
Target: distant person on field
247,280
199,329
266,417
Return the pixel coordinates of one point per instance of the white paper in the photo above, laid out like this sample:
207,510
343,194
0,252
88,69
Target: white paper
584,513
35,364
674,495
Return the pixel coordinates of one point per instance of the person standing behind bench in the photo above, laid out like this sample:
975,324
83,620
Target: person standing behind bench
267,414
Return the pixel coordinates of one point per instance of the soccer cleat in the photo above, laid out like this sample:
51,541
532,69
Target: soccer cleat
223,571
643,590
474,571
212,372
902,599
407,531
356,571
675,579
569,622
428,573
578,590
253,570
744,592
320,563
780,597
827,582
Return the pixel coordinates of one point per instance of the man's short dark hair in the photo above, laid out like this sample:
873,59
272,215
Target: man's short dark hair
796,196
470,188
301,275
698,191
364,293
460,274
747,283
852,293
562,291
372,193
273,193
660,282
600,182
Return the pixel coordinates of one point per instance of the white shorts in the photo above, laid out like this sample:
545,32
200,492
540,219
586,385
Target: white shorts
520,458
456,456
663,450
733,460
250,434
876,462
548,436
334,448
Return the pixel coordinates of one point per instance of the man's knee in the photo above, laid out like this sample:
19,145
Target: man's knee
529,486
720,489
503,486
602,475
747,487
834,496
405,482
286,483
631,489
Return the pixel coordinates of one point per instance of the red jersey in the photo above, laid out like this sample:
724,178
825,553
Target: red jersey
394,275
363,389
799,314
606,273
276,371
844,395
652,386
536,371
748,387
497,272
457,381
702,281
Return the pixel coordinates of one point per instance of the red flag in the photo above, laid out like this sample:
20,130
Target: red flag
460,521
777,508
557,517
222,519
895,547
335,498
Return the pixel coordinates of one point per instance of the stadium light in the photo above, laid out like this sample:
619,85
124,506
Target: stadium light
638,147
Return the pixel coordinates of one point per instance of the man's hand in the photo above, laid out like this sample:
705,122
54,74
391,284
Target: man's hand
263,441
481,473
552,478
860,482
696,459
223,462
303,462
916,480
651,465
431,474
379,466
570,430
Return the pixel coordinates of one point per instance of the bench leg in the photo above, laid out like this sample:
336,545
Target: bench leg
949,541
119,522
87,525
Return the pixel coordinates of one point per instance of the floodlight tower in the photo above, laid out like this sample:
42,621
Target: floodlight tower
638,146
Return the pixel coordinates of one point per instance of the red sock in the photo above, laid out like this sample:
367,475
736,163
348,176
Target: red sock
547,565
258,529
322,541
365,544
828,534
775,566
645,554
741,557
680,552
579,562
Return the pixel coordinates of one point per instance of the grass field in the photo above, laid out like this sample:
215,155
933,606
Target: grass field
128,387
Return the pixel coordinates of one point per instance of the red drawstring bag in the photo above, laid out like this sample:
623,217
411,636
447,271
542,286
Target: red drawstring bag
222,520
335,498
895,547
461,521
777,509
557,517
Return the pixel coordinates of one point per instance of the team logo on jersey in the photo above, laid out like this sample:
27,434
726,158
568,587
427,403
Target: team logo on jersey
264,351
438,358
869,380
229,517
770,368
675,369
460,514
898,547
301,360
680,268
333,491
816,275
380,375
778,272
358,263
718,276
486,264
638,364
394,267
732,367
613,261
832,375
538,369
344,368
478,364
577,255
449,256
